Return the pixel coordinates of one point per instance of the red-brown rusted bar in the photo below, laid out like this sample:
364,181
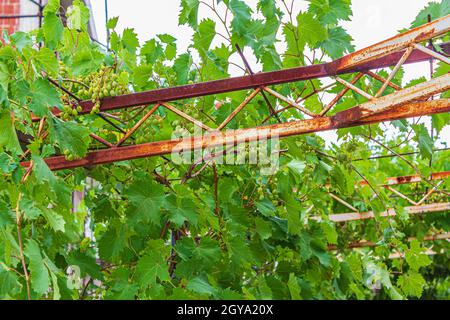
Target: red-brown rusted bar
361,244
239,108
417,92
394,71
343,65
411,179
101,140
340,95
352,216
137,125
382,80
217,139
354,88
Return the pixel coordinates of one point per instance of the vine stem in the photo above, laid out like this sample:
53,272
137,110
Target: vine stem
378,195
217,207
424,178
216,188
370,185
19,237
75,81
213,8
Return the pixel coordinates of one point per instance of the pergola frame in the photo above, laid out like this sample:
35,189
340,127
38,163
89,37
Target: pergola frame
402,103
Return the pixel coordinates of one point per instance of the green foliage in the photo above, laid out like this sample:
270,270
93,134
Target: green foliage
40,278
8,138
310,30
70,136
434,9
144,229
189,13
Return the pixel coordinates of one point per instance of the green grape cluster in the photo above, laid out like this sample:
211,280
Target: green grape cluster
69,156
62,69
152,127
68,110
191,110
105,82
102,84
181,123
268,189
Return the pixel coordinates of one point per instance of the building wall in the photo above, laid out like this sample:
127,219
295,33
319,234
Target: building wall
29,8
9,8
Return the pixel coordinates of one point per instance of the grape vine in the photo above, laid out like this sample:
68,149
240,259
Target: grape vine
152,228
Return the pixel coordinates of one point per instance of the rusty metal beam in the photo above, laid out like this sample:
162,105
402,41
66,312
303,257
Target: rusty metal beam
353,62
410,179
392,101
417,92
361,244
217,139
401,41
352,216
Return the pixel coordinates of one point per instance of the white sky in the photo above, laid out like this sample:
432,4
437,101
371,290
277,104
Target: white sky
372,21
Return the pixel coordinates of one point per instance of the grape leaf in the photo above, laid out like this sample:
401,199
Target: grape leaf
338,43
204,35
434,9
181,210
189,13
78,16
147,198
8,138
415,256
294,287
52,6
411,283
201,285
86,263
8,282
112,243
85,61
130,40
424,140
241,16
331,11
43,96
112,23
310,30
53,29
40,279
182,66
70,136
152,266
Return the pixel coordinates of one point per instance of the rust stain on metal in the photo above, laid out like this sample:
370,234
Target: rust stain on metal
340,66
282,130
352,216
411,179
365,243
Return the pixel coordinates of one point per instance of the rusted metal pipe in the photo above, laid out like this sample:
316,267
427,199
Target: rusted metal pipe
410,179
361,244
417,92
216,139
137,125
352,216
346,64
